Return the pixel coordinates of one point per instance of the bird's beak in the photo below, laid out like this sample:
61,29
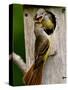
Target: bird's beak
37,17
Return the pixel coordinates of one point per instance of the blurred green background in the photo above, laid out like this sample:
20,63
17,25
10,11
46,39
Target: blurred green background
18,42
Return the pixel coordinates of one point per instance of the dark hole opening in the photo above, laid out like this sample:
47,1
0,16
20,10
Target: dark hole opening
26,14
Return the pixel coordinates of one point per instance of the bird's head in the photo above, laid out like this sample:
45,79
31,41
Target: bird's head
39,15
47,19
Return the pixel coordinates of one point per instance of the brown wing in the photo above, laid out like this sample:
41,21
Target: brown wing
41,47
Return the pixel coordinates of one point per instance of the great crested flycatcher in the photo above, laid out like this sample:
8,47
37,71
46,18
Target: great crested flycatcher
44,26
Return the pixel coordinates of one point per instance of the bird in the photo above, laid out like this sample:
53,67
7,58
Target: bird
47,19
42,44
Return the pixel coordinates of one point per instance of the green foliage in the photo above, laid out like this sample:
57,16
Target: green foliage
17,76
18,42
18,30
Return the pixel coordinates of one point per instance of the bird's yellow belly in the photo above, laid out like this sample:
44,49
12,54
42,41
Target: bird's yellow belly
46,55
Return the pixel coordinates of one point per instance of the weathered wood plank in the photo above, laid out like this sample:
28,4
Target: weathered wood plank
55,67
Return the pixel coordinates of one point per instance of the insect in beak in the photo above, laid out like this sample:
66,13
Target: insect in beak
38,18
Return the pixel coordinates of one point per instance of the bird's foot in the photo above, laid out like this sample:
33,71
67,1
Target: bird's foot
53,53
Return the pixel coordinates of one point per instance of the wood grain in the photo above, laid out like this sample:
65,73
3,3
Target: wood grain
55,67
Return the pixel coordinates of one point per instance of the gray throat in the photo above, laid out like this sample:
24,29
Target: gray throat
39,30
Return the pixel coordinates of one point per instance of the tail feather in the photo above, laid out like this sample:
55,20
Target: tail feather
34,76
28,74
